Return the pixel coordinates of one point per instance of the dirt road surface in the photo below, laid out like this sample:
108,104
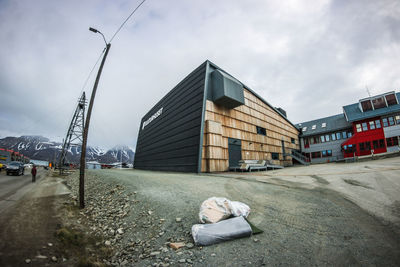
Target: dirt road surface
28,224
321,215
310,215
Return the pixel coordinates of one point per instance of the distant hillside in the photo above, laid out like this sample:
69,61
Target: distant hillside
41,148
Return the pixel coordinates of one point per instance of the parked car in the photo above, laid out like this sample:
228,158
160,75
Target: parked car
15,167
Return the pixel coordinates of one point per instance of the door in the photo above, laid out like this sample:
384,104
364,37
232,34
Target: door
235,151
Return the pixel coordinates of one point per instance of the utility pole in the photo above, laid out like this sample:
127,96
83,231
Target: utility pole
87,122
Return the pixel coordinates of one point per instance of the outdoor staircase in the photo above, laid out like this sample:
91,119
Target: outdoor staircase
299,157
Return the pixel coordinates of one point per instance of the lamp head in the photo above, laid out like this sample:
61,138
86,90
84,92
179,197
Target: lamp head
93,30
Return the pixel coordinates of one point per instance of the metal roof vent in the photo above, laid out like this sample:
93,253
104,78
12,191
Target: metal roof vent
226,91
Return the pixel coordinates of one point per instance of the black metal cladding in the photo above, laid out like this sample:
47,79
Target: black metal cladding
170,141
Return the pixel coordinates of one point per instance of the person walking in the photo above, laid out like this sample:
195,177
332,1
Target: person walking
33,172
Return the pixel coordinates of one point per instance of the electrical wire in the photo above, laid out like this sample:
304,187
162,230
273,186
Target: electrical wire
122,25
91,71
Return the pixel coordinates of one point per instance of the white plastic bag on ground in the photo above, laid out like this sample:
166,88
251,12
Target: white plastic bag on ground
239,209
208,234
216,209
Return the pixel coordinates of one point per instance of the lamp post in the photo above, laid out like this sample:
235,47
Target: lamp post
86,129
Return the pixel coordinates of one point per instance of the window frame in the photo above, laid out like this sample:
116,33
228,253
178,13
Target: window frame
261,130
364,126
378,122
372,125
274,156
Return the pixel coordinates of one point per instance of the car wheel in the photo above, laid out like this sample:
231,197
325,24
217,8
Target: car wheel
22,172
8,173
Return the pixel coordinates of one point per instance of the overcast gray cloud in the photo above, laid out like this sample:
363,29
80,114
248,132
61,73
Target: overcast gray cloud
308,57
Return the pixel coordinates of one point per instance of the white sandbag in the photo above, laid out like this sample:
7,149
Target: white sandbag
239,209
214,210
208,234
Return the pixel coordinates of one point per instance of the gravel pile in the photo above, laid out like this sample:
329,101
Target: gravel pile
131,227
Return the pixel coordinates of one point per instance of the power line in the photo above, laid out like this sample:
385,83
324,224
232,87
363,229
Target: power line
91,71
122,25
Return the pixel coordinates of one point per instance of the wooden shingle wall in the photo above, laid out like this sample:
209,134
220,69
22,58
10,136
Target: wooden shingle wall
240,123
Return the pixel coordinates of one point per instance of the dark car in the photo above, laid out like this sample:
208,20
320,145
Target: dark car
15,167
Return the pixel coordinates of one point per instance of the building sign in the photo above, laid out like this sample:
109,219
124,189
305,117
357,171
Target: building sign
155,116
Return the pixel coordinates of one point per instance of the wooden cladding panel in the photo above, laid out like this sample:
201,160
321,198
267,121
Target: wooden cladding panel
240,123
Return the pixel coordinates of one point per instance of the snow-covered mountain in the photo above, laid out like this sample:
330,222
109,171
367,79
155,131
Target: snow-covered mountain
41,148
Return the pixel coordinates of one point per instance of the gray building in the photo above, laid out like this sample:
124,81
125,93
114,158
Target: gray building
209,122
321,139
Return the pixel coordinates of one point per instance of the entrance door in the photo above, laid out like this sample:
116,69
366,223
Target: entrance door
235,151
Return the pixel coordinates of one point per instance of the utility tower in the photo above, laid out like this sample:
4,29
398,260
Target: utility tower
75,131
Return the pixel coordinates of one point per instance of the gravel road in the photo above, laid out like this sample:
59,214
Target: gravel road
140,212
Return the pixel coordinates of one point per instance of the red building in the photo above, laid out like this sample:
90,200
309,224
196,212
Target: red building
370,126
376,125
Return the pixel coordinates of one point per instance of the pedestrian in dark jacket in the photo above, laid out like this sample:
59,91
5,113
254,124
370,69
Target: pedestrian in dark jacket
33,171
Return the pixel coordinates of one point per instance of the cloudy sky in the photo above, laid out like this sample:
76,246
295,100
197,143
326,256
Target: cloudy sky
309,57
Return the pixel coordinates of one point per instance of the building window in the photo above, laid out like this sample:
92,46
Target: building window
344,135
275,156
349,148
324,153
327,139
378,124
364,126
392,141
371,125
358,127
323,125
306,143
385,122
322,139
304,128
315,155
314,127
366,105
261,130
391,121
361,145
329,153
349,134
397,119
333,137
316,140
381,143
379,102
391,99
375,144
367,146
294,141
338,136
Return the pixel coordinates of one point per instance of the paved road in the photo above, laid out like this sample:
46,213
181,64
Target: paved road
12,188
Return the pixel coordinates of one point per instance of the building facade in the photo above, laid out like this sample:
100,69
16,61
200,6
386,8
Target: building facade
370,126
376,125
209,122
321,139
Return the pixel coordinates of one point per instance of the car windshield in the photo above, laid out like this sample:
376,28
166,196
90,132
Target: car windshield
14,163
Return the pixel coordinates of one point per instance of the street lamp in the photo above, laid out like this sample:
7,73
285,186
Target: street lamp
97,31
86,129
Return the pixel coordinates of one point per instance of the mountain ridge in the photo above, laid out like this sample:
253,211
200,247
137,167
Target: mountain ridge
41,148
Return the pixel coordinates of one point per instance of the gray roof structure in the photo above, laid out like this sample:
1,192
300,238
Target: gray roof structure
283,115
332,123
353,112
